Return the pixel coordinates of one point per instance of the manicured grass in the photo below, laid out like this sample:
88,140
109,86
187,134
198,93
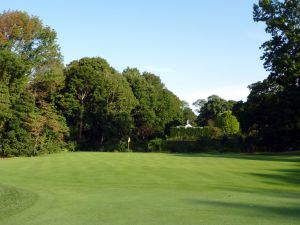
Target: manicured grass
160,189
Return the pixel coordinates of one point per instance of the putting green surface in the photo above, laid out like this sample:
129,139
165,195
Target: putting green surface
145,188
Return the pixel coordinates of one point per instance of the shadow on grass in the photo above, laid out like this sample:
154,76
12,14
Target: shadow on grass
281,177
280,157
14,200
289,210
274,193
290,176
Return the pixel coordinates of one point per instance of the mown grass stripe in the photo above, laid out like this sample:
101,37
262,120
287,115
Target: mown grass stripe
136,188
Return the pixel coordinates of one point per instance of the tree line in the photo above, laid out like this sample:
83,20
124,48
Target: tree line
271,115
270,118
47,107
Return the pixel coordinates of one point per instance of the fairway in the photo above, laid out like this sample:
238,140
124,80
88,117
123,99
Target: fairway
145,188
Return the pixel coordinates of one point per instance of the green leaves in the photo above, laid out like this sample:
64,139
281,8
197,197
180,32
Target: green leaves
30,77
282,51
158,108
29,38
96,100
210,109
228,123
271,113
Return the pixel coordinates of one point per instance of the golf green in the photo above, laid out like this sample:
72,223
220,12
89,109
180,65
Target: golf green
147,188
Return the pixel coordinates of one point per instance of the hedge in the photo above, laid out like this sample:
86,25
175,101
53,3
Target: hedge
194,133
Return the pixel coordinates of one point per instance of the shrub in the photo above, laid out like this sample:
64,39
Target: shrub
228,123
193,133
50,147
123,145
215,133
156,145
181,146
139,146
70,146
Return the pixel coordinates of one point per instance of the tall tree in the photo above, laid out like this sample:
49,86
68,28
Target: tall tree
16,138
158,108
167,105
273,105
29,63
12,83
282,51
210,109
26,36
96,101
144,112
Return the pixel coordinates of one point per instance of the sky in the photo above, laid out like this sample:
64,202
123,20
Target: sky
197,47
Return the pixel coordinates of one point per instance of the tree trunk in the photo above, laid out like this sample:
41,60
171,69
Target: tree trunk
80,129
82,97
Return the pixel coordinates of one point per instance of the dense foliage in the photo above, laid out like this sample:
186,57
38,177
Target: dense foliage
97,102
228,123
47,107
30,62
271,115
157,109
211,108
270,118
194,133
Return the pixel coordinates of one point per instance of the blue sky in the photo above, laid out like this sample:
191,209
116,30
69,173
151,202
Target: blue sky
198,48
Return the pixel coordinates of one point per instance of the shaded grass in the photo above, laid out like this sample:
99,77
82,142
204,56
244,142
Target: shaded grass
279,157
140,188
14,200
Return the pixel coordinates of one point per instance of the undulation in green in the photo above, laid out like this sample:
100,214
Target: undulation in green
150,189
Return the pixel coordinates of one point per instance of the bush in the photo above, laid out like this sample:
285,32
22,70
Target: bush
50,147
215,133
17,143
70,146
193,133
183,146
123,145
234,143
228,123
139,146
156,145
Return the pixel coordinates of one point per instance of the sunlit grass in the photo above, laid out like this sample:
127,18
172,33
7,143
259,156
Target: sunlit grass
140,188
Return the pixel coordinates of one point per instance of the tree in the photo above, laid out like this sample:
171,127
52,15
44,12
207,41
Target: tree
282,51
228,123
158,108
12,83
27,37
30,76
239,110
16,138
97,101
210,109
48,83
273,105
171,113
143,114
188,113
166,105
